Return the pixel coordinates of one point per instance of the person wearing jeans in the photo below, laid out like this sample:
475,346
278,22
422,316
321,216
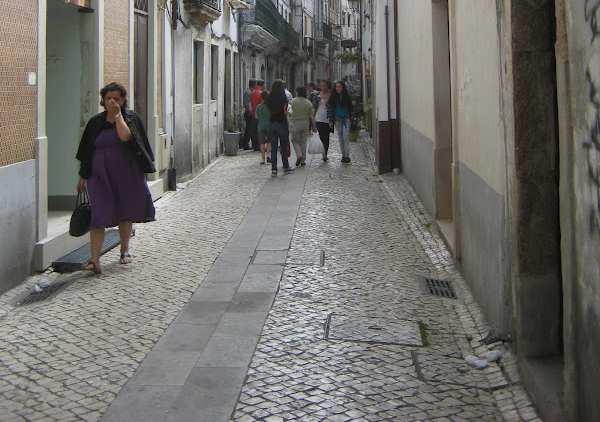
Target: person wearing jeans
339,110
321,119
279,132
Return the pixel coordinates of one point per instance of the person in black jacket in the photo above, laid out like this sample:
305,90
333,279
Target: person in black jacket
114,153
279,133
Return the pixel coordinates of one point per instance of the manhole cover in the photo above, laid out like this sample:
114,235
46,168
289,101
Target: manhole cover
373,330
439,288
35,296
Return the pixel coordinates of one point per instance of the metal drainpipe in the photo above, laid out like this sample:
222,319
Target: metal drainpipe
387,59
397,72
172,171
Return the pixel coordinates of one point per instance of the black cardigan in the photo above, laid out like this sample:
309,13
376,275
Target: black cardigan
138,145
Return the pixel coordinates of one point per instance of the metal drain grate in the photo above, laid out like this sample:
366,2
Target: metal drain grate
440,288
34,296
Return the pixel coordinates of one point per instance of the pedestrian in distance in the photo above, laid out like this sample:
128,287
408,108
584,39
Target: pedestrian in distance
313,94
114,153
301,124
321,119
277,104
263,116
339,110
255,100
248,118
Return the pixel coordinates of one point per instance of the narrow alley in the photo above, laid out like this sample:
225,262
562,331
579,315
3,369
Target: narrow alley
352,335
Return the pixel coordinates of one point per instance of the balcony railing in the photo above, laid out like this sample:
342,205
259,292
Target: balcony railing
203,11
265,15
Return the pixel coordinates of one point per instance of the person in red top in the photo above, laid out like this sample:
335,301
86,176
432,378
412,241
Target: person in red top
255,100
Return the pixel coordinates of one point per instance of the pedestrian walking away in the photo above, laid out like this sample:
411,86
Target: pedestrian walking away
279,131
255,100
263,117
339,111
301,124
114,154
313,94
321,119
248,117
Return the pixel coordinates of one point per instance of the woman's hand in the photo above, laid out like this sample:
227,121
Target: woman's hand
113,108
81,185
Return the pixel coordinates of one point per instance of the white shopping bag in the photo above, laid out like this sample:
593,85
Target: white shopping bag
315,146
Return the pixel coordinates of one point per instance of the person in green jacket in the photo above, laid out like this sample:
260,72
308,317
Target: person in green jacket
301,124
264,121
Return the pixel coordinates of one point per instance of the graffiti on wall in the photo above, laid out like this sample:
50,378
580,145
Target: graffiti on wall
592,142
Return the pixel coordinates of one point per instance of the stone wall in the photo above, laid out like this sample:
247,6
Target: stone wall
116,41
18,100
579,100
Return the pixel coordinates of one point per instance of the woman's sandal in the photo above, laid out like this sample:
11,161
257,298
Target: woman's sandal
125,258
93,266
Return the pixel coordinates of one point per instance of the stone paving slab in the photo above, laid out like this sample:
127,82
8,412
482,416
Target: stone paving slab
215,334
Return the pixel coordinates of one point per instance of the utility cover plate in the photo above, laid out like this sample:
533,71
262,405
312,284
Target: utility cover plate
373,330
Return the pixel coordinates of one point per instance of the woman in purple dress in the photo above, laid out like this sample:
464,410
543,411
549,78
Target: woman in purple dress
114,154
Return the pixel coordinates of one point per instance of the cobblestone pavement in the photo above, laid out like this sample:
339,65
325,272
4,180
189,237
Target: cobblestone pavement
353,335
66,358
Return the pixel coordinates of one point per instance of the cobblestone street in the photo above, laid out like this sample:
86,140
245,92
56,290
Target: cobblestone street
352,335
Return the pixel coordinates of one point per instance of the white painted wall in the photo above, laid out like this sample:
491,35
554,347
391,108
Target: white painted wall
416,66
478,121
17,217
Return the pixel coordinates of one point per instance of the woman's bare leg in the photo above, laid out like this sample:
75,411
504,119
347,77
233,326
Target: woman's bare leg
96,241
125,234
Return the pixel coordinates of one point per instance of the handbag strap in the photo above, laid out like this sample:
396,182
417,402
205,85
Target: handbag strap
82,198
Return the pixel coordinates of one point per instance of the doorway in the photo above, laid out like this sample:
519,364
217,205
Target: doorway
537,280
140,60
71,96
227,101
443,120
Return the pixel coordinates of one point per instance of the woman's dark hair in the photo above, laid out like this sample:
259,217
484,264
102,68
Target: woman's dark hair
327,82
113,86
301,92
276,98
342,99
264,94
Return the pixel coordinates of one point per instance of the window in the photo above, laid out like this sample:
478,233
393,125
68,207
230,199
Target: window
198,72
214,67
349,19
254,70
262,72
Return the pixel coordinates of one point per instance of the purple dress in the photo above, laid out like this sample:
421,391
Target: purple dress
117,187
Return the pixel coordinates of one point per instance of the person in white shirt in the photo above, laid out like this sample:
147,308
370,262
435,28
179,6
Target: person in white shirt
321,120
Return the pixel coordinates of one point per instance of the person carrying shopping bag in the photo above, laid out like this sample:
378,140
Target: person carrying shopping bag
339,110
301,124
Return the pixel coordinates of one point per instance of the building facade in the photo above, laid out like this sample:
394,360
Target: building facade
494,122
205,72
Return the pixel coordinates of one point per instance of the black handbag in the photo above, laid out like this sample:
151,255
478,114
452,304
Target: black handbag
82,215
